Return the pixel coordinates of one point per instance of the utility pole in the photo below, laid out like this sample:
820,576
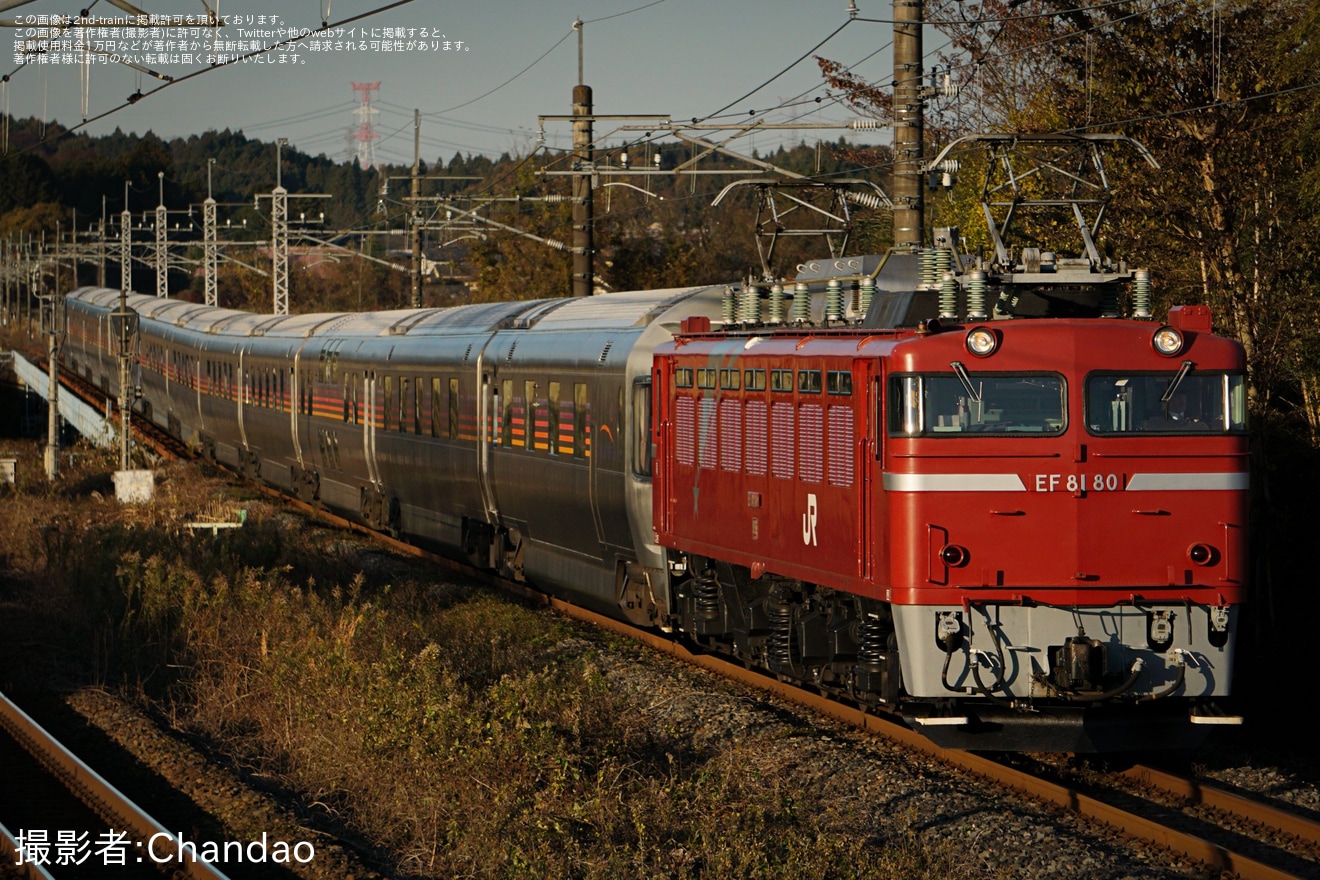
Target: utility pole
100,248
208,241
30,270
909,155
50,319
75,252
123,326
162,254
279,238
53,390
8,278
584,277
415,215
279,235
125,247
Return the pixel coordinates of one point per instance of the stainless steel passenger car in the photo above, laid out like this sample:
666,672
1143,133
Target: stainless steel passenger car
514,435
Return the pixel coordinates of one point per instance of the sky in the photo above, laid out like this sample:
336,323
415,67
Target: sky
507,62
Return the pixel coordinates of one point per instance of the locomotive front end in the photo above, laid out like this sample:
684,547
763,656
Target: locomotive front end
1066,503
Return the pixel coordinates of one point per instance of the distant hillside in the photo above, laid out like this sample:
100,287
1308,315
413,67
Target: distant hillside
46,163
650,231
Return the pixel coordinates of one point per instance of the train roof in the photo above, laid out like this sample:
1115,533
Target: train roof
607,311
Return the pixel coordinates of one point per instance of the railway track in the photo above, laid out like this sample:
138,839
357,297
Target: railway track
1234,834
162,445
1220,829
1269,850
72,823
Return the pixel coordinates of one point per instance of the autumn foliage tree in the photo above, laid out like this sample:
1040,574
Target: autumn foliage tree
1225,96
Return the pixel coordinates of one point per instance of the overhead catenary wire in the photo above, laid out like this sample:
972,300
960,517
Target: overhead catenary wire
989,59
306,116
795,63
486,94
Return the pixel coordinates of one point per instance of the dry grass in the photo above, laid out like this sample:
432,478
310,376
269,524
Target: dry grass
461,733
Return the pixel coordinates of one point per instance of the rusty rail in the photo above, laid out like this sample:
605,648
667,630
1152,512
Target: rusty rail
91,788
1195,791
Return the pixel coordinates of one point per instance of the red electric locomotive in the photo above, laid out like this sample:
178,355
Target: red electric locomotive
1019,520
1022,534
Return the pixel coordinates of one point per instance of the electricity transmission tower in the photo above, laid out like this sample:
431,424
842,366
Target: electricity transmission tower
365,134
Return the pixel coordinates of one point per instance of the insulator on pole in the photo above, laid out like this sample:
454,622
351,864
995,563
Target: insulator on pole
833,300
801,303
949,296
1141,293
943,261
1109,302
977,285
866,200
749,305
866,293
926,268
777,304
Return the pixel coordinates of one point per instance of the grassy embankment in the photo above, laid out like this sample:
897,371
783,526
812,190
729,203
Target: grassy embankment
458,731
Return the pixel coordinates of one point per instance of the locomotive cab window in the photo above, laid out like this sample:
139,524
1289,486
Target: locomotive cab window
1195,403
956,404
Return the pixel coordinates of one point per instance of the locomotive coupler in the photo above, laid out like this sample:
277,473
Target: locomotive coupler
1079,663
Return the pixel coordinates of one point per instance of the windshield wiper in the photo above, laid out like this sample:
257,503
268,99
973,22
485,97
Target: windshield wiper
1176,381
961,372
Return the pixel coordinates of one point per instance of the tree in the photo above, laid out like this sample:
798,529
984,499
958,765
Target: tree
1224,95
32,221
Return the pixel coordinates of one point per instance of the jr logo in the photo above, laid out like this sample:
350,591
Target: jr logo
809,522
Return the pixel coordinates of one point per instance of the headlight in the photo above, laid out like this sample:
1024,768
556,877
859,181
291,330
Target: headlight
954,556
1167,341
982,341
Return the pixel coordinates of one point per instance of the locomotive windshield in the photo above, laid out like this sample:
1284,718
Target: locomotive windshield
958,402
1201,403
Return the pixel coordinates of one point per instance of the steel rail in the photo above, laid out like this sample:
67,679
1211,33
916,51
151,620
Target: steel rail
1207,794
9,850
1126,823
150,433
92,789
